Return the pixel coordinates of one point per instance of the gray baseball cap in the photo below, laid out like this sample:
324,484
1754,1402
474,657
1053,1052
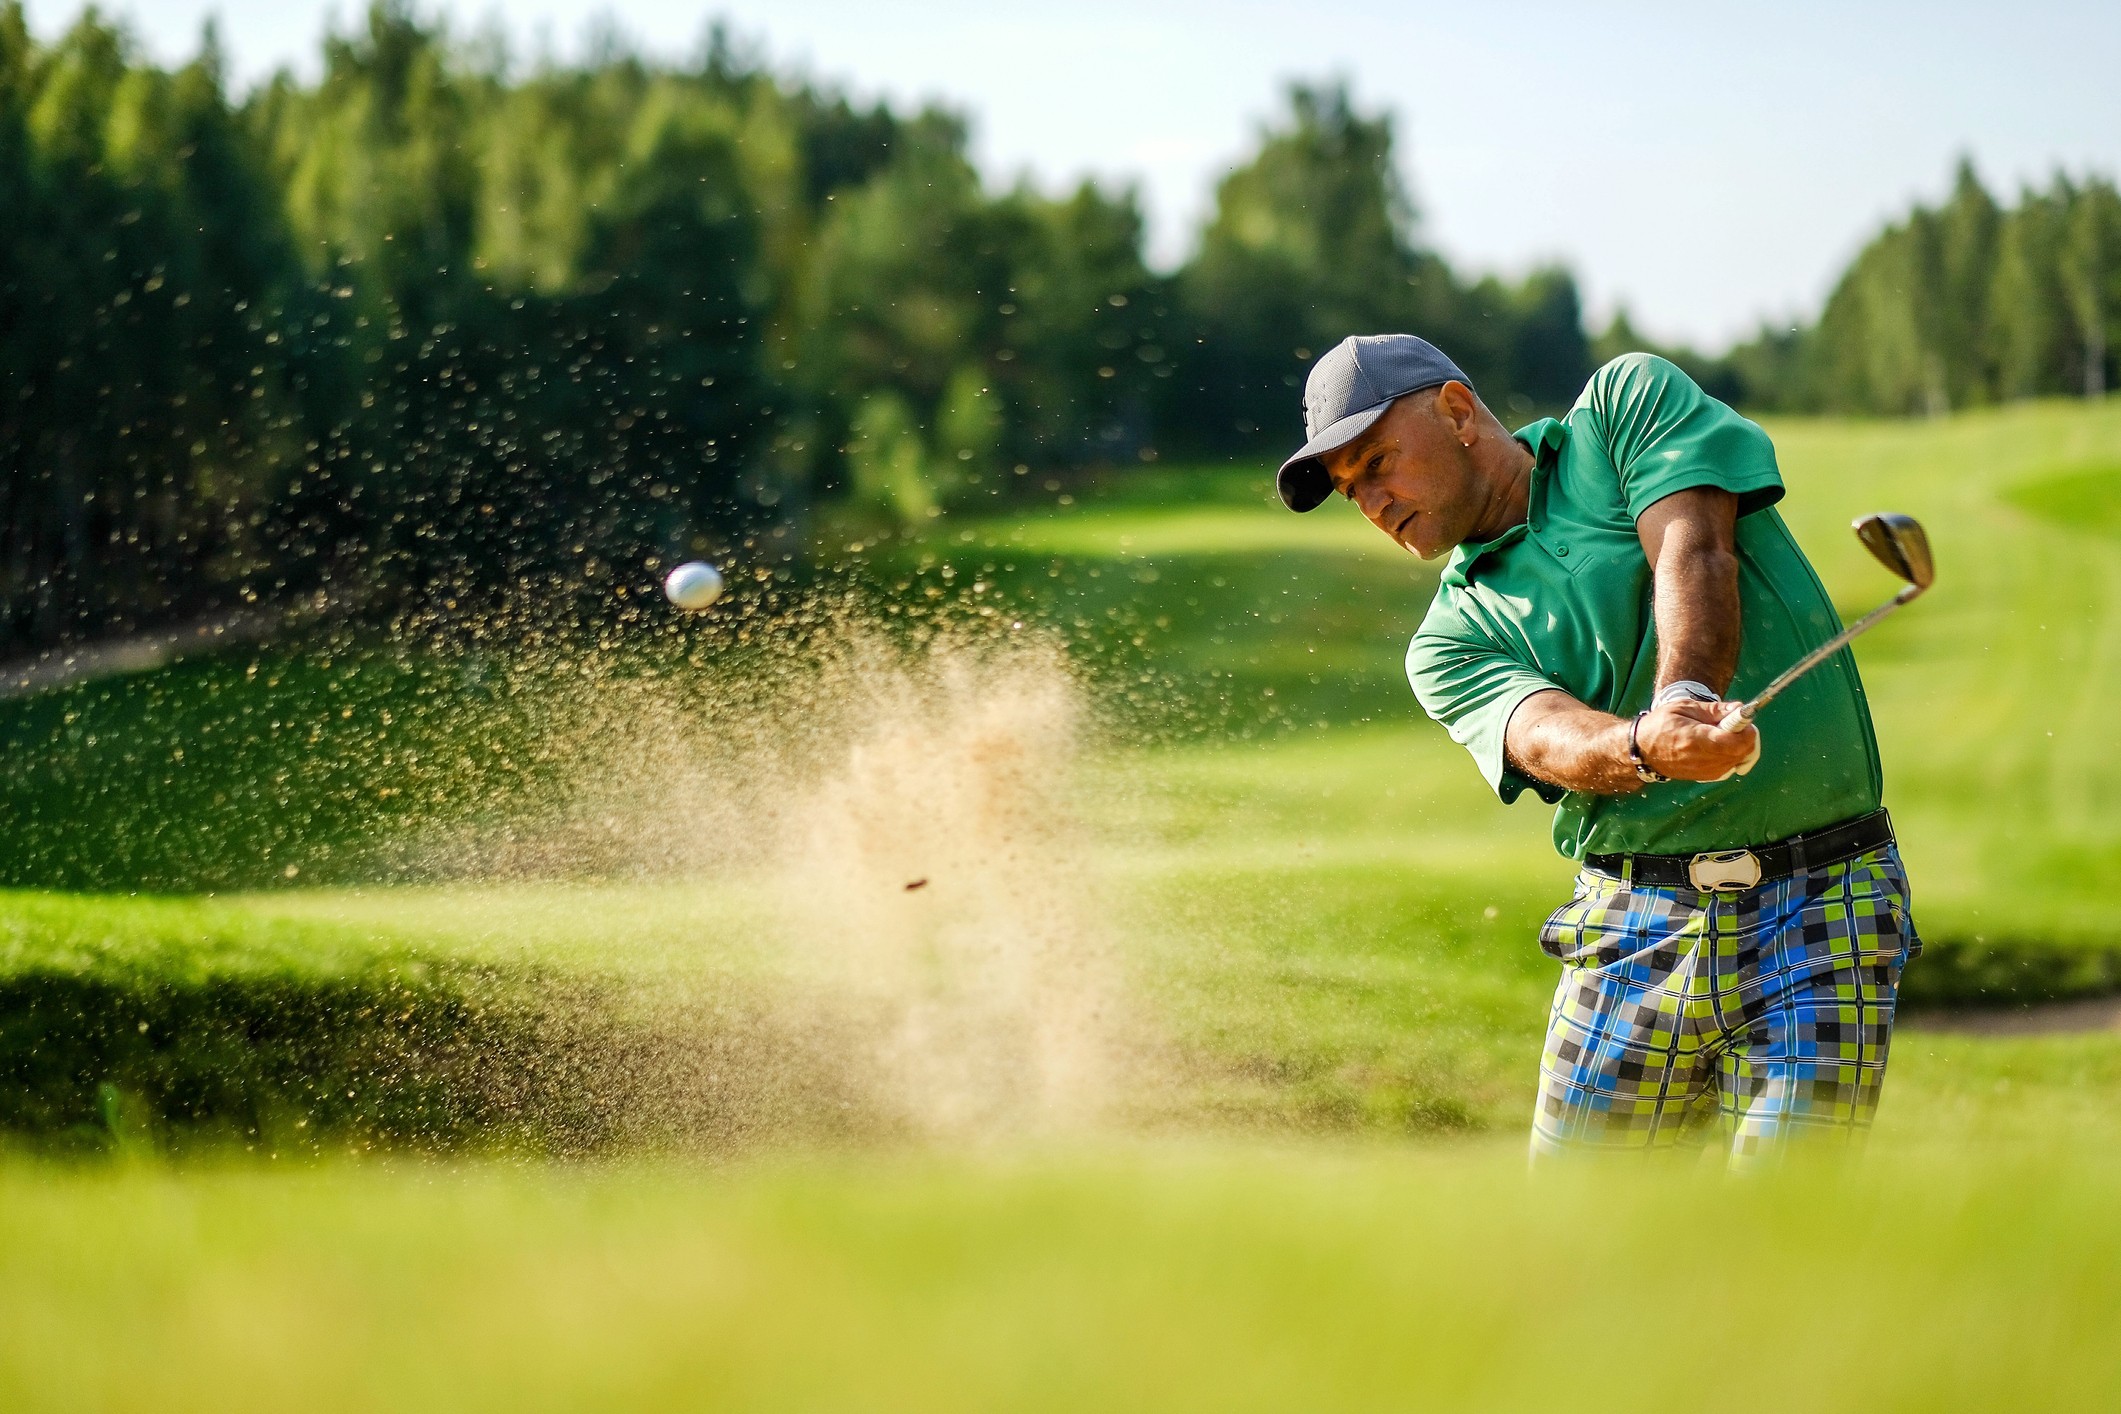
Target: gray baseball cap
1350,388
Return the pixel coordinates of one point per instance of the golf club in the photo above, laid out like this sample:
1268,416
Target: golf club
1899,543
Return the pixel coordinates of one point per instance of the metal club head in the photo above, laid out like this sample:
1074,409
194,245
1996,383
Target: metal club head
1900,545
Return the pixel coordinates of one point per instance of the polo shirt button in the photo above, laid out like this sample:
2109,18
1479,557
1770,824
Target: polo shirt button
1562,550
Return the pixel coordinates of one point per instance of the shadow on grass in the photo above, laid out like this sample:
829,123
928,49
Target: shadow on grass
408,1056
411,1057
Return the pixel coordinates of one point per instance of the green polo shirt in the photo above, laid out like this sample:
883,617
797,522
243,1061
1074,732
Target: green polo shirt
1563,600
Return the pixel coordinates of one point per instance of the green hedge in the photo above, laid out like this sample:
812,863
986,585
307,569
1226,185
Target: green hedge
1996,972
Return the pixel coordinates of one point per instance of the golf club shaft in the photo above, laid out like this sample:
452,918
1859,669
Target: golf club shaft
1745,712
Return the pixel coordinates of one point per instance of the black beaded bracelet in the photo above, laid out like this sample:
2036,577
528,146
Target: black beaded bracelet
1648,776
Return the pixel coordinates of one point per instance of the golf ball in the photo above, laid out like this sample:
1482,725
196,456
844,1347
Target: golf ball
693,585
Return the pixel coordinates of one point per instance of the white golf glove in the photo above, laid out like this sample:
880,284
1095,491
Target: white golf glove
1750,762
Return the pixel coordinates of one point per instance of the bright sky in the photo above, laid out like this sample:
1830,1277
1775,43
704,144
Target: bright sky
1708,163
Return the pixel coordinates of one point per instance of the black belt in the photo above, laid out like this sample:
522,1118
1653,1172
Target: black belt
1735,870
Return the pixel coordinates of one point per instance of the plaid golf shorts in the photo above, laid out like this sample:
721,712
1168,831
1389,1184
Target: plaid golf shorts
1760,1014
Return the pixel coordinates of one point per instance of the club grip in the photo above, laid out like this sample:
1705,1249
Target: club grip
1736,721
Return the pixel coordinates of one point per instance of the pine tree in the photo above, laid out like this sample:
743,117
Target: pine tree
1966,235
2090,271
2029,312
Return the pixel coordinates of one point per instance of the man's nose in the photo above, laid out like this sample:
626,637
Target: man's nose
1371,499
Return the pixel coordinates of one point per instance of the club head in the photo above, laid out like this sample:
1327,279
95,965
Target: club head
1900,545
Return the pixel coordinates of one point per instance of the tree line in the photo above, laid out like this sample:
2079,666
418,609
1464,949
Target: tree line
440,326
437,325
1959,305
1971,303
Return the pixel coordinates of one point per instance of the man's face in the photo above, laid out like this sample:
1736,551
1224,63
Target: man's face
1411,476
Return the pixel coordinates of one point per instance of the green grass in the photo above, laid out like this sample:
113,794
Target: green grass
2086,499
1325,919
1185,1276
1989,695
250,769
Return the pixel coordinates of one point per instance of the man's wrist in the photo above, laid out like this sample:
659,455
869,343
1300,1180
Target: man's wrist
1644,772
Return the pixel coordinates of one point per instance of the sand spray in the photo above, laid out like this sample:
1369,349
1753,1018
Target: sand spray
902,807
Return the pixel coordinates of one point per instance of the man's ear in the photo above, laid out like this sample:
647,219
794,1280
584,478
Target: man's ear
1456,408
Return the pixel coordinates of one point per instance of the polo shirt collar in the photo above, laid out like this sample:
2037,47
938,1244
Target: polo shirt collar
1545,438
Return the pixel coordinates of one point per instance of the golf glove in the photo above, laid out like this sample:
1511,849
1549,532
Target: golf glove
1750,762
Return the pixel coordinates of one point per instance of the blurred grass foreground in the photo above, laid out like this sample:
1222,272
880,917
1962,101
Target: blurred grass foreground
1187,1278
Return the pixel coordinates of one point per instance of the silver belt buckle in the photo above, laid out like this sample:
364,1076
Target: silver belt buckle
1727,871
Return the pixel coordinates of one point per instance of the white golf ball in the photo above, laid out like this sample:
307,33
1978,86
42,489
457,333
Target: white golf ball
693,585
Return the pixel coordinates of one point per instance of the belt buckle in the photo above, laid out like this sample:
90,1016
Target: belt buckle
1728,871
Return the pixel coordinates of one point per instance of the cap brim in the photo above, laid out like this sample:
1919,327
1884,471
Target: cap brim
1302,480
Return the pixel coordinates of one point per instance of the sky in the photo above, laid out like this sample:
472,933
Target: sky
1707,165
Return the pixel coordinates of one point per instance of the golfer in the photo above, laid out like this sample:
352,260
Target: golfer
1616,580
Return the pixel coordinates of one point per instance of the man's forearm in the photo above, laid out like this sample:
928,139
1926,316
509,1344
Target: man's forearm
1559,740
1690,540
1697,617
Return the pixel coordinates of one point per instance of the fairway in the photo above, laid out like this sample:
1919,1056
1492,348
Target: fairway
463,1170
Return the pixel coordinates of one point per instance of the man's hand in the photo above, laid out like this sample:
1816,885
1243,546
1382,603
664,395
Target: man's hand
1684,740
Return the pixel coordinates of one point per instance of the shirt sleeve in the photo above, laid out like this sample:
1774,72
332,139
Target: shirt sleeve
1468,682
1664,435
